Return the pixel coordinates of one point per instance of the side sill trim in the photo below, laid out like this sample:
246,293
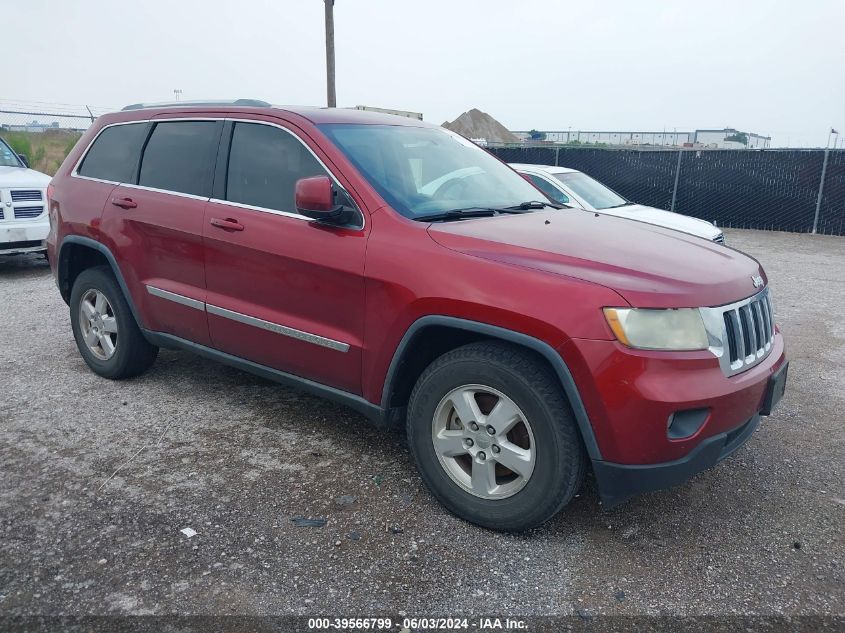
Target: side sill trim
278,329
176,298
372,411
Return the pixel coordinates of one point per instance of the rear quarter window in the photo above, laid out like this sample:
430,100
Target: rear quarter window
180,157
115,153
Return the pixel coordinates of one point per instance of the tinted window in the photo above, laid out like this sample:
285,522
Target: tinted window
264,165
114,155
550,190
180,157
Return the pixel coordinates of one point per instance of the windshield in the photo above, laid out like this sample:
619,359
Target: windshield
591,191
7,157
422,171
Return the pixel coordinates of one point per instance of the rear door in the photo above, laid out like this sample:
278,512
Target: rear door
283,291
110,159
156,223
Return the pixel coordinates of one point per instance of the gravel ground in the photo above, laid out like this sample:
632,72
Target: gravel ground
235,458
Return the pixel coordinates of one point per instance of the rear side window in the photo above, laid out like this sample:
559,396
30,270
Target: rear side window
180,157
264,165
114,155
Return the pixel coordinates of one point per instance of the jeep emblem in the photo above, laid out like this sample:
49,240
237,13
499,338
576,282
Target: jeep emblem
757,280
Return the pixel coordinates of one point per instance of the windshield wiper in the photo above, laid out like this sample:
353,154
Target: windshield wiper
616,206
533,204
458,214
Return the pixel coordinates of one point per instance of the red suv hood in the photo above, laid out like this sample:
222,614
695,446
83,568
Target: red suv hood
648,265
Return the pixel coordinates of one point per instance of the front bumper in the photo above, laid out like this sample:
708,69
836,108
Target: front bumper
633,397
618,482
26,236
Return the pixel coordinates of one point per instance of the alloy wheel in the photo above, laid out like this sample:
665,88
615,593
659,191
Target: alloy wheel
483,441
98,324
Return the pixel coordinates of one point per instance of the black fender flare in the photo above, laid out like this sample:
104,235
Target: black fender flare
492,331
61,264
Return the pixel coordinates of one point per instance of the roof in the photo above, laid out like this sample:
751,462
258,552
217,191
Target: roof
314,114
549,169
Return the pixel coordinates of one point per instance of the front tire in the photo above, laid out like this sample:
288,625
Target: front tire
106,333
494,438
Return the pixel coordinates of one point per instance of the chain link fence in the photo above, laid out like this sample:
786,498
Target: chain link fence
773,189
45,133
783,190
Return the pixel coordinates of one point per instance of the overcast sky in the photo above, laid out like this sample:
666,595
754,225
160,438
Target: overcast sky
769,67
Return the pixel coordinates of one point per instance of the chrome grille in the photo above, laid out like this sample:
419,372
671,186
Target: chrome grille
742,333
26,195
27,213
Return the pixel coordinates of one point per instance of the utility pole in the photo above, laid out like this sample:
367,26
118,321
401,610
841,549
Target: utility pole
178,94
332,98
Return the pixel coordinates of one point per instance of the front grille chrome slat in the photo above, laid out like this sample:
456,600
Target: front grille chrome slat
758,321
744,331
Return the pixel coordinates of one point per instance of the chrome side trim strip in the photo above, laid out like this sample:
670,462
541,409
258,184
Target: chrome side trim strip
176,298
241,205
278,329
180,194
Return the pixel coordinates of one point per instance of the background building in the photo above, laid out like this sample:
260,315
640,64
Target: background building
727,138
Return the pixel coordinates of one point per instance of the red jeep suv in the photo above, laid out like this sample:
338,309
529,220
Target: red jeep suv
394,266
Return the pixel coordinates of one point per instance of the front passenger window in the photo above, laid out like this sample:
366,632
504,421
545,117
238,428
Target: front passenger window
264,164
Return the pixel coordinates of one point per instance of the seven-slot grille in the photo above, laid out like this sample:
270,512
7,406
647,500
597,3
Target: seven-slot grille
749,331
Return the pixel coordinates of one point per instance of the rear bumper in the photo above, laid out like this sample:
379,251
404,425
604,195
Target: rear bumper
618,482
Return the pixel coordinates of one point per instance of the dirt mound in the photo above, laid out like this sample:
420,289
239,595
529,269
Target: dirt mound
478,124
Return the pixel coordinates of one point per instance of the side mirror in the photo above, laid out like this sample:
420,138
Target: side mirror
24,160
315,198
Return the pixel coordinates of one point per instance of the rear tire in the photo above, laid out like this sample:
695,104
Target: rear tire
526,474
108,338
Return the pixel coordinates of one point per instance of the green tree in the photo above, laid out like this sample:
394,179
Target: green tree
534,135
739,137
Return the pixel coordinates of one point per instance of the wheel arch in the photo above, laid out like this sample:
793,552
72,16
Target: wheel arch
431,336
78,253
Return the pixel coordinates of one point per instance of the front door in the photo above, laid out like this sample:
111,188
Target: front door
283,291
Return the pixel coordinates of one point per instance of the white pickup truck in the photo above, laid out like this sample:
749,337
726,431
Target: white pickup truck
24,222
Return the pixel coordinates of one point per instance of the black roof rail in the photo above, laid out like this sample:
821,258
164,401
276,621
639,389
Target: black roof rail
255,103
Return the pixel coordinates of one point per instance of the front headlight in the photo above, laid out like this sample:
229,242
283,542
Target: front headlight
681,329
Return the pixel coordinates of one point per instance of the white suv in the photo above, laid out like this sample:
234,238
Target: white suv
575,189
24,223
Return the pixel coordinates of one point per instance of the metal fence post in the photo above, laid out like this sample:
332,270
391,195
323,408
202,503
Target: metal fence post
821,191
677,177
557,157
